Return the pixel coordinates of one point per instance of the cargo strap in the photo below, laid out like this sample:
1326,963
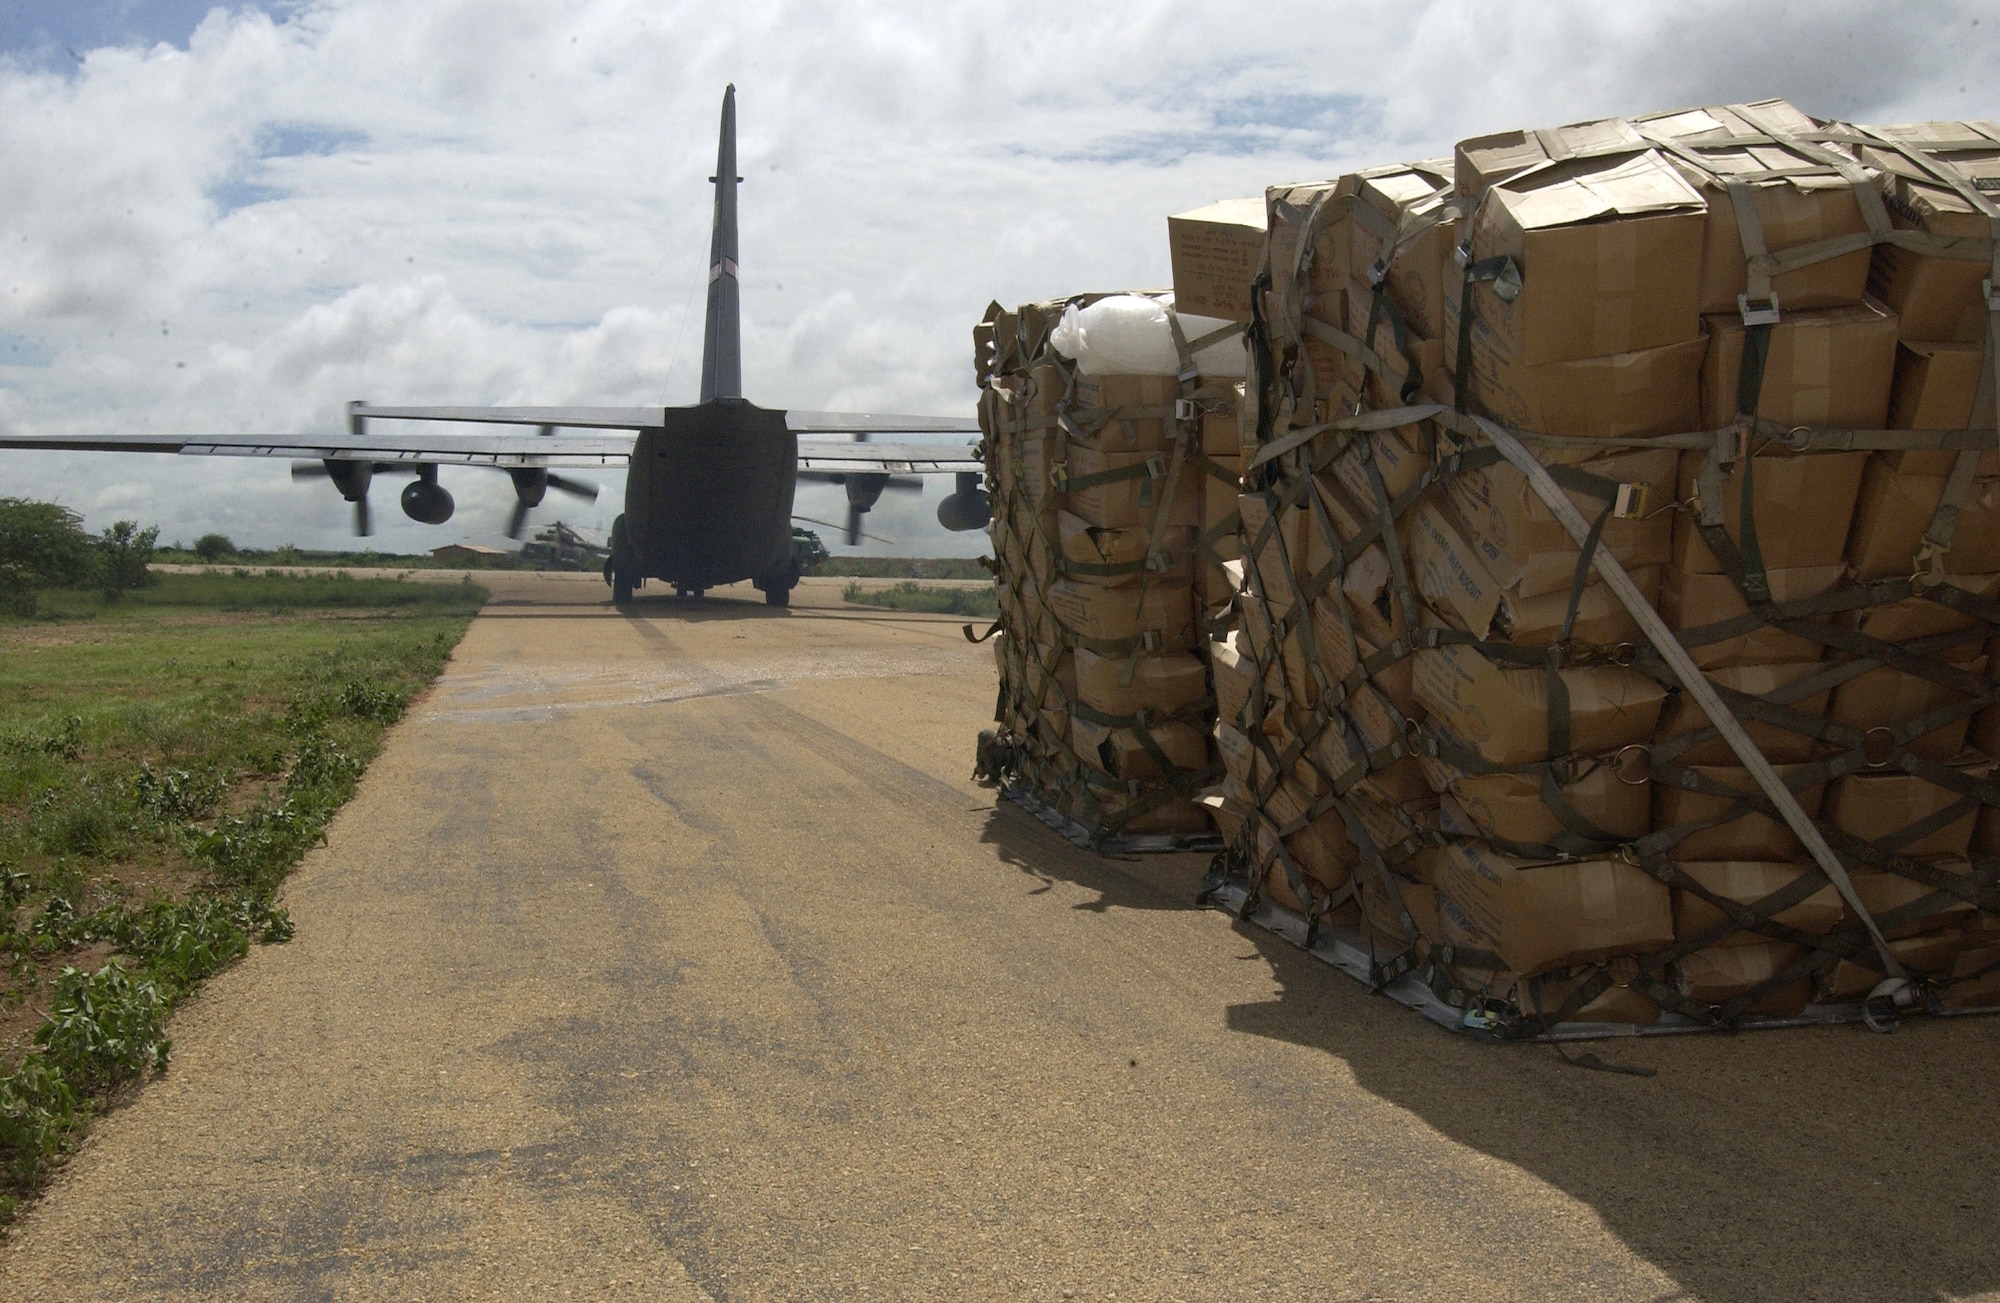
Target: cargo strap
1696,685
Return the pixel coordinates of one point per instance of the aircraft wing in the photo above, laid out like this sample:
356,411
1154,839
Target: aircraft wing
596,436
483,449
639,418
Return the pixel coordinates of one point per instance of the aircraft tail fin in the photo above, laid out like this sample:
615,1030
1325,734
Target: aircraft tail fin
722,344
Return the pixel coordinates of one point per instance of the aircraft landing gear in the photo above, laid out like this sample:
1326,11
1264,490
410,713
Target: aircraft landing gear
621,588
684,591
778,589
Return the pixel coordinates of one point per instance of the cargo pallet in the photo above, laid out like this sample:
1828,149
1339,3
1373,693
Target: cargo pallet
1024,796
1347,950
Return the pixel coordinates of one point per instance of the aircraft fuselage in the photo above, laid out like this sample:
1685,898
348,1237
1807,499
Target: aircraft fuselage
708,499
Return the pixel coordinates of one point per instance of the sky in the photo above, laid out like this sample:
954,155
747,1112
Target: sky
238,217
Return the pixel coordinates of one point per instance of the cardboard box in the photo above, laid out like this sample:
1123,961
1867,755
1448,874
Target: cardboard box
1119,753
1542,916
1178,814
1620,396
1746,882
1935,956
1694,601
1219,541
1318,845
1894,511
1525,548
1934,297
1502,713
1510,807
1883,698
1872,806
1748,836
1803,505
1830,366
1420,351
1328,265
1215,253
1450,576
1610,258
1397,456
1121,413
1241,760
1126,685
1791,210
1132,502
1544,997
1274,557
1383,922
1719,974
1368,713
1051,690
1485,161
1933,390
1680,715
1389,203
1887,895
1222,423
1117,557
1163,610
1975,980
1235,679
1919,617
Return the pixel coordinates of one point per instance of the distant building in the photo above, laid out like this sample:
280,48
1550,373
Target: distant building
477,553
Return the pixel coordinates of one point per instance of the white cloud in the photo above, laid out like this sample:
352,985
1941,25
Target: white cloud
505,200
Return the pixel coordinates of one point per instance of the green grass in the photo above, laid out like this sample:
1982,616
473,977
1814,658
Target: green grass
900,567
911,596
165,760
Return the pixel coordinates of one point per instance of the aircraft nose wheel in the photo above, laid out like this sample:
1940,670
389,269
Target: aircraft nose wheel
621,587
684,593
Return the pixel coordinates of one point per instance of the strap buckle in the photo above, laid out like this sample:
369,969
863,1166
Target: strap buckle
1156,467
1758,314
1992,299
1928,564
1378,271
1632,500
1186,409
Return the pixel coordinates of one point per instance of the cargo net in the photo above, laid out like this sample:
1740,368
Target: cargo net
1101,557
1679,729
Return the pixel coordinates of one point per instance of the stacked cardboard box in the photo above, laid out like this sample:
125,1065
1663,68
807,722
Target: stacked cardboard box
1746,345
1098,485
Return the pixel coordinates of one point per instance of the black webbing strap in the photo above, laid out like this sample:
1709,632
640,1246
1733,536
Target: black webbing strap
1505,274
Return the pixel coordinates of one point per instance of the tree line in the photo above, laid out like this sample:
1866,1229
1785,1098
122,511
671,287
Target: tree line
43,545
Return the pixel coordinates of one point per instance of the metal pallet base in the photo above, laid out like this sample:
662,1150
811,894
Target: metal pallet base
1121,844
1346,949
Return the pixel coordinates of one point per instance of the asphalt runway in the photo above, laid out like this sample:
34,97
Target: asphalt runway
674,955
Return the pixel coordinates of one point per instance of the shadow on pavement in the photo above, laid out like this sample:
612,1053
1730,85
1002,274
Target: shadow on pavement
1130,882
1827,1163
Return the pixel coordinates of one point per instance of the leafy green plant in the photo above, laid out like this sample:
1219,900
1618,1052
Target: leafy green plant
213,547
321,763
104,1027
125,551
175,793
38,1108
929,598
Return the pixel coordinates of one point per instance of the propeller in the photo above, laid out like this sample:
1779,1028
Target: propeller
828,524
352,478
865,489
531,485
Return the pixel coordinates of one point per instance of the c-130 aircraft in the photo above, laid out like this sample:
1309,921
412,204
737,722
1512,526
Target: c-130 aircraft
708,488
